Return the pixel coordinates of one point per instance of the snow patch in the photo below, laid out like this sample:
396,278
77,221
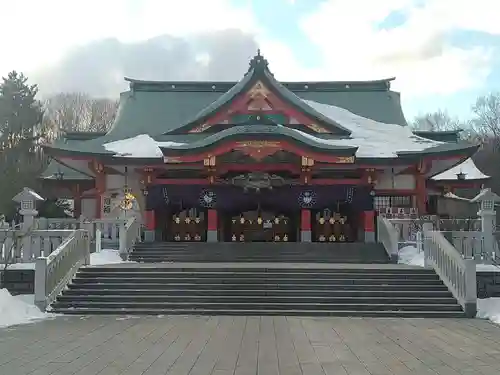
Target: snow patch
106,256
373,138
141,146
489,308
19,309
467,167
411,256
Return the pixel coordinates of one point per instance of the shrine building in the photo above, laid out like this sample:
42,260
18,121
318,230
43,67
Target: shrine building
259,160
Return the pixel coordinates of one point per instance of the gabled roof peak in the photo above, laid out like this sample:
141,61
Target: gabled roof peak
258,63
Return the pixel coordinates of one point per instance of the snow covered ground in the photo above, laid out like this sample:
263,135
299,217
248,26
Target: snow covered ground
487,308
106,256
19,309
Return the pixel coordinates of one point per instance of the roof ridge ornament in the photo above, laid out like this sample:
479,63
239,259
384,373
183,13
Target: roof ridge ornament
258,63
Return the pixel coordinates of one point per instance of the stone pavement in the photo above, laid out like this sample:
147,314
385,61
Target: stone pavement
250,345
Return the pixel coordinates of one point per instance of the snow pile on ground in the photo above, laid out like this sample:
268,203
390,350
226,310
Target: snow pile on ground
411,256
106,256
19,309
489,308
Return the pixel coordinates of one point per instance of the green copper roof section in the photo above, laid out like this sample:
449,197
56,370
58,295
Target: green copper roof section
259,71
246,132
442,136
57,171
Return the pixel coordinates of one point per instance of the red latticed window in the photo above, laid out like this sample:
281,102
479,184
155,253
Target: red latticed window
387,201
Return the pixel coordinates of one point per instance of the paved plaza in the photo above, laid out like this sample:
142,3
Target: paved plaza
181,345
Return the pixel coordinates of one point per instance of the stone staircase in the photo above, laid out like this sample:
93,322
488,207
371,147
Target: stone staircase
293,252
258,289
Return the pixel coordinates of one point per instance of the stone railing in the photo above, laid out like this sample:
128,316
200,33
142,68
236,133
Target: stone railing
108,230
457,273
21,246
58,223
53,272
129,235
388,236
480,246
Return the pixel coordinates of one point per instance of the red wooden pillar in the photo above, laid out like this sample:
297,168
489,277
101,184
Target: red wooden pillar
369,225
421,194
305,225
100,185
150,220
212,227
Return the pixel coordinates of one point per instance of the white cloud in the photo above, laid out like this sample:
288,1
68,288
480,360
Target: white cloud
416,52
66,42
57,26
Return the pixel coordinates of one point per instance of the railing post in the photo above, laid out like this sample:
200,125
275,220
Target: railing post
123,238
470,303
86,245
98,238
41,283
426,228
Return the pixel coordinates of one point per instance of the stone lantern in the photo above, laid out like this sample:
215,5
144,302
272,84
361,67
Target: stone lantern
486,200
27,199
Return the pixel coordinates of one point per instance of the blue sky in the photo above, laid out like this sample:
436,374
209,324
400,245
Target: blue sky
457,102
443,53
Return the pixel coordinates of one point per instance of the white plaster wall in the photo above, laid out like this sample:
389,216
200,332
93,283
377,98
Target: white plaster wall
389,181
88,208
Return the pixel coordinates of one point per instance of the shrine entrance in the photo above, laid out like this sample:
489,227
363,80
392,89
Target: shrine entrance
260,226
187,225
335,224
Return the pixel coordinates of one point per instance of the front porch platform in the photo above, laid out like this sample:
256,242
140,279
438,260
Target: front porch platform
213,345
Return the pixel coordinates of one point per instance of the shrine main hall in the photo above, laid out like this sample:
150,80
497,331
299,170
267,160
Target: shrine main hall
259,160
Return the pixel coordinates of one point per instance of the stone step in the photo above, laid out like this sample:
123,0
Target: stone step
255,281
300,299
203,287
270,275
258,305
106,290
262,312
292,268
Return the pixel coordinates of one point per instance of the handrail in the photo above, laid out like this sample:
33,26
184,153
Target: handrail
54,272
457,273
388,236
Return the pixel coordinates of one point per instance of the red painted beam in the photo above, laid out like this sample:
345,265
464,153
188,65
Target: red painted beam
180,181
225,168
333,181
229,146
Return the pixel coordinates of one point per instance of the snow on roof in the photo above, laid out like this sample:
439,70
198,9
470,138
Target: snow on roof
467,167
141,146
373,138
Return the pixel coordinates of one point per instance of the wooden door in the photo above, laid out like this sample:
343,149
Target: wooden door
331,226
188,226
254,226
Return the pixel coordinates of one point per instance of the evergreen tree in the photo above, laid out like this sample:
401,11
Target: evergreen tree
21,159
